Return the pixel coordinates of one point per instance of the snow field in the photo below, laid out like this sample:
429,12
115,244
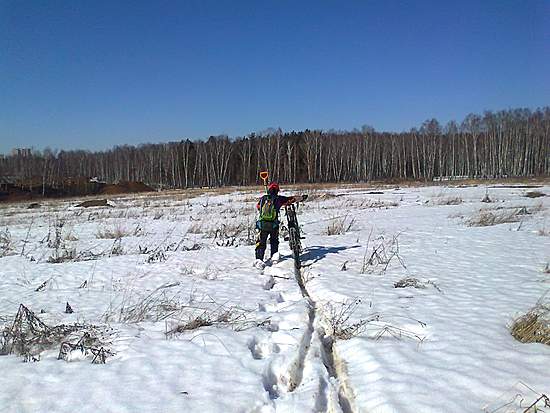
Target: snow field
151,264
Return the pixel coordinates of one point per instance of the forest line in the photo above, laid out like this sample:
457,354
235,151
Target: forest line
508,143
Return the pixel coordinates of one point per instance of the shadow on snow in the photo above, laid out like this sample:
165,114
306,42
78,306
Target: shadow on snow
316,253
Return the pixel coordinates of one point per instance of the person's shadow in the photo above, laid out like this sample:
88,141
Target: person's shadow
315,253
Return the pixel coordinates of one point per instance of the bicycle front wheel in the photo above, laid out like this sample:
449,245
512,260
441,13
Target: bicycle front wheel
295,247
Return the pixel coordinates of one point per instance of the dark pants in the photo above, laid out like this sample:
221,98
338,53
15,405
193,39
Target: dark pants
261,242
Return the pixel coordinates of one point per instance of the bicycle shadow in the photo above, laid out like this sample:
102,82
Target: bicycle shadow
316,253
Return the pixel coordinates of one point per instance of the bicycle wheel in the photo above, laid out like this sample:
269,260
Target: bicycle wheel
294,236
294,242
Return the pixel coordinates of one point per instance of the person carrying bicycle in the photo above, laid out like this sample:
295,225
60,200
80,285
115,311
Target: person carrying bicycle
269,207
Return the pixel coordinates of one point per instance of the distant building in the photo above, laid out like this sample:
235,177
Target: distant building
21,152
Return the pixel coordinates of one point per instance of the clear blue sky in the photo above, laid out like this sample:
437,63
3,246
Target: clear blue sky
93,74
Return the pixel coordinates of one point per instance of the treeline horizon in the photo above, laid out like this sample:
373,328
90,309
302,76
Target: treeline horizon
507,143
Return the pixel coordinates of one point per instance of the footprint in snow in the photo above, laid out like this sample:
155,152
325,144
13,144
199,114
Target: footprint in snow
261,349
269,283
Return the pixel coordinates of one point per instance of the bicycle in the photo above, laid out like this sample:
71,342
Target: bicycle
294,236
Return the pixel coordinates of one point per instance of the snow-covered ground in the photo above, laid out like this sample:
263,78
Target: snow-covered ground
164,283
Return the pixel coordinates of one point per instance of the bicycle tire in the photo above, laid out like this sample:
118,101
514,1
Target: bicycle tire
294,236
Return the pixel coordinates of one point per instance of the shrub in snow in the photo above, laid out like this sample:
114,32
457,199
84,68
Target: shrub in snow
489,217
338,318
6,244
28,336
343,327
383,252
62,255
234,317
118,231
234,234
87,346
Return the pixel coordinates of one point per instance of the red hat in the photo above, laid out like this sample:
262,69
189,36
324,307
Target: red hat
273,187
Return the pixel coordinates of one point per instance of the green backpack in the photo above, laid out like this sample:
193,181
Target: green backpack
268,212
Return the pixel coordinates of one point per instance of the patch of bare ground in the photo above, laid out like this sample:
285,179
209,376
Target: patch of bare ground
534,194
93,203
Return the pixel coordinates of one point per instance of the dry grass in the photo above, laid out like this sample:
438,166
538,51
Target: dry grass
340,225
520,398
234,317
415,283
489,217
379,253
338,319
156,305
233,234
7,246
361,203
29,336
486,218
456,215
372,203
88,345
534,326
319,195
118,231
62,254
450,200
195,228
409,282
70,237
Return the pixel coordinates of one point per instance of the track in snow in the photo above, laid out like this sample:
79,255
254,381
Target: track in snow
312,376
334,370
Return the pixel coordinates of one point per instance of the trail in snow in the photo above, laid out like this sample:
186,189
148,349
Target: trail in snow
315,376
345,394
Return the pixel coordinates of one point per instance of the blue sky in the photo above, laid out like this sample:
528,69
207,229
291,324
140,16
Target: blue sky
93,74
